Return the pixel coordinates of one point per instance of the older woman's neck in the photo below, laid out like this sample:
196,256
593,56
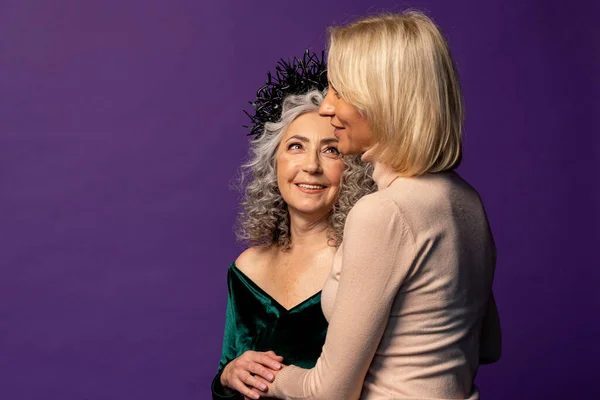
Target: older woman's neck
308,231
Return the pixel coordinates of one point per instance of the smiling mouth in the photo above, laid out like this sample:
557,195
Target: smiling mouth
309,186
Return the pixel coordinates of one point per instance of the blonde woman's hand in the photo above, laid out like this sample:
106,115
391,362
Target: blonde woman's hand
250,372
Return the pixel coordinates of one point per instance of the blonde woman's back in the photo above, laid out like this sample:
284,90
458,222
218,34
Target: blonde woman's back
430,347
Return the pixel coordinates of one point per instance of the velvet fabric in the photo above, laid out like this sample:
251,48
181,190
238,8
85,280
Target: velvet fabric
256,321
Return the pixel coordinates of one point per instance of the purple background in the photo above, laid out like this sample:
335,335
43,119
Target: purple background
120,134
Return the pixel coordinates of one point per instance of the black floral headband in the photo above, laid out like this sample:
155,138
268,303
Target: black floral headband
294,77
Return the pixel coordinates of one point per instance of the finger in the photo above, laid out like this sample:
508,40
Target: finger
268,393
260,371
274,356
267,361
262,380
245,390
254,383
256,356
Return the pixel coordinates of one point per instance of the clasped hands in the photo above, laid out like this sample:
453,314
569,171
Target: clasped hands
251,373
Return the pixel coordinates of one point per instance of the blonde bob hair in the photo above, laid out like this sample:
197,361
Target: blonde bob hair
396,69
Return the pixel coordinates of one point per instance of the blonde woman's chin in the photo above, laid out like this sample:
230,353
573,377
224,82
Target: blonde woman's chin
368,156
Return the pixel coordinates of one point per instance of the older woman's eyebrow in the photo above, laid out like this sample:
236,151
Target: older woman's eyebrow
329,140
299,137
304,139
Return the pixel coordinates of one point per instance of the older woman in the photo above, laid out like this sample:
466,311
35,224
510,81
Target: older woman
299,192
410,285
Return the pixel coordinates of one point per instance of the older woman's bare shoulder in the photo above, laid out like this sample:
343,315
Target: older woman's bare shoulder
254,259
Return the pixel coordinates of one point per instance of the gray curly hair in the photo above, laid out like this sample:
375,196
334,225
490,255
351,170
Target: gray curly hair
264,218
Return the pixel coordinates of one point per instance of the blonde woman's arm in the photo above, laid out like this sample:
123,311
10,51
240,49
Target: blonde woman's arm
375,238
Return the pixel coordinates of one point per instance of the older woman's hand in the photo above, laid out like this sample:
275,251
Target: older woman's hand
249,372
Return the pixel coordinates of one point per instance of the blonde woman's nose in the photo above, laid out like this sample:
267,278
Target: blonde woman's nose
327,109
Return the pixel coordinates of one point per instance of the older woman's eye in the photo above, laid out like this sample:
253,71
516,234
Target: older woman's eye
294,146
332,150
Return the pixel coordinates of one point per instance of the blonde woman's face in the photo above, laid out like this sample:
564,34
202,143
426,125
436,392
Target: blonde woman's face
351,128
309,166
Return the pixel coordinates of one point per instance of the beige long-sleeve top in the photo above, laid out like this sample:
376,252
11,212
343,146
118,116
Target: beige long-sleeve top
406,296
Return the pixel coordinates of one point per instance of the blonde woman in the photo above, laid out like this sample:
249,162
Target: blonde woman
408,299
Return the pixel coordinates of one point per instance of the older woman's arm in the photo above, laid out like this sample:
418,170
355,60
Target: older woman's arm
228,351
375,238
239,374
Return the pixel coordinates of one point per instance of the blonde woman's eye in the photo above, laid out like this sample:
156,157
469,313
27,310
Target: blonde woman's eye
335,92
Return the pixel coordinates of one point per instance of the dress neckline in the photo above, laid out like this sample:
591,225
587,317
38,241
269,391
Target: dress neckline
314,299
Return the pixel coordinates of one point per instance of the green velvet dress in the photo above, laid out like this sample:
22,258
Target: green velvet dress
256,321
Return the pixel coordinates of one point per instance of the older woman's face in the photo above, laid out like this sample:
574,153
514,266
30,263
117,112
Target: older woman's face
351,128
309,166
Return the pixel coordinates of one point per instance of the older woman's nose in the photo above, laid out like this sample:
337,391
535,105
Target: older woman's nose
312,164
